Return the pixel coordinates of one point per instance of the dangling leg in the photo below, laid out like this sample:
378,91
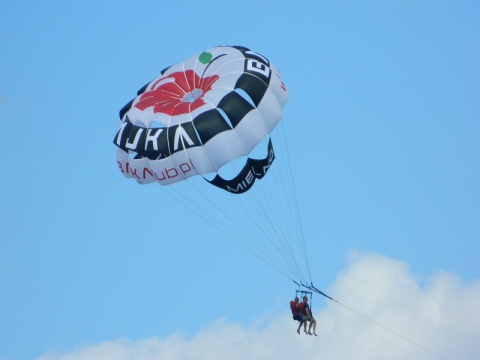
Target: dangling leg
313,323
299,326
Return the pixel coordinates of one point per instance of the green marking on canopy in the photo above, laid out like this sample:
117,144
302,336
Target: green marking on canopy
205,57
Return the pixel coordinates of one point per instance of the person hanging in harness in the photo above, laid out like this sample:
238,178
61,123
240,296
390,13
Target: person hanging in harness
307,316
297,315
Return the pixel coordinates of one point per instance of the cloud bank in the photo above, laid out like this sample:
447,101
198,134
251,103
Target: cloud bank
389,315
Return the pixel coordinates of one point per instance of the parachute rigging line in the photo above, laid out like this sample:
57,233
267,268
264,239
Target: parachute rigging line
228,226
296,208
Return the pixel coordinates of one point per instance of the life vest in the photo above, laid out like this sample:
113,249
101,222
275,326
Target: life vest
295,311
294,308
302,308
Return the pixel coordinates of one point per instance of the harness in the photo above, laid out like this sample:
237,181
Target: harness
301,308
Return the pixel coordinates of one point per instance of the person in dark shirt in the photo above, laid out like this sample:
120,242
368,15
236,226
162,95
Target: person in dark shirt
307,316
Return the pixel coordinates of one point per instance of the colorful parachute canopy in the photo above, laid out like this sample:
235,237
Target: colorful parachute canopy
199,115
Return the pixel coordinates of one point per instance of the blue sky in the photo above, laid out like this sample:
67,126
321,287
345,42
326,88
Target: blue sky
383,125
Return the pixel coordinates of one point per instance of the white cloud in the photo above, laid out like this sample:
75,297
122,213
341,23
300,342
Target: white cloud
442,315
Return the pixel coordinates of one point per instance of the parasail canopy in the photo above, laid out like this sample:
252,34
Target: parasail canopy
199,115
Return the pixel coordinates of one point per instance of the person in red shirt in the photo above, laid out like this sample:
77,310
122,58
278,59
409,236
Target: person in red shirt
297,315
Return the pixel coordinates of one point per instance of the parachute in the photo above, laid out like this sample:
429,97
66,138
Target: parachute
200,115
213,116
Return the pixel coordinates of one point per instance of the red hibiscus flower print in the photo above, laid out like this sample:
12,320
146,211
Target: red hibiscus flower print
176,94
